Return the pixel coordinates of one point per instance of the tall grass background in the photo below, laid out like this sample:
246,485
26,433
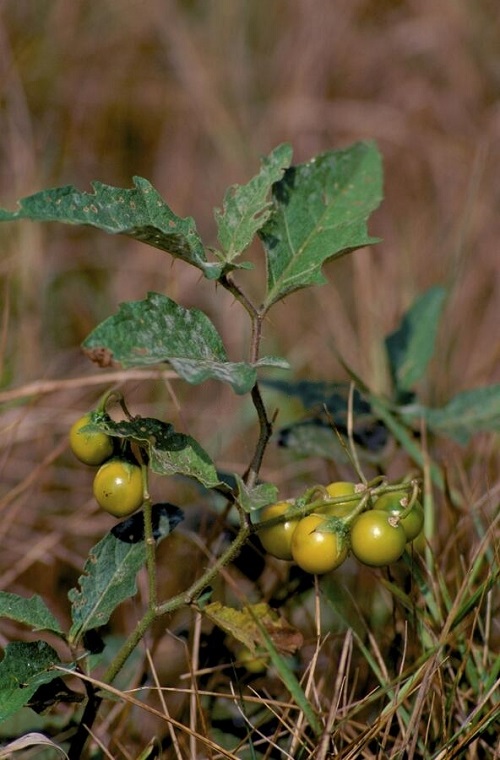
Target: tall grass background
190,94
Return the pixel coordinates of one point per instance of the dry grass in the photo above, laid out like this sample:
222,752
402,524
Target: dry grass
189,95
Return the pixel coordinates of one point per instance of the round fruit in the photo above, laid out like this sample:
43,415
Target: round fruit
118,487
419,543
339,488
316,551
277,539
89,446
374,541
253,663
413,522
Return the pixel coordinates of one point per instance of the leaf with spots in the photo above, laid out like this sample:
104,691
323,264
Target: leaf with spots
169,452
109,578
32,612
157,330
257,497
24,668
319,213
247,207
140,213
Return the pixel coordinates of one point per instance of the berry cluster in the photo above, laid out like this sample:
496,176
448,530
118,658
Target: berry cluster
375,528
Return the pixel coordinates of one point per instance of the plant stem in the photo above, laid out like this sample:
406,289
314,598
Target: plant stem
266,430
149,539
193,592
89,715
186,597
229,284
150,545
129,646
190,595
256,337
265,427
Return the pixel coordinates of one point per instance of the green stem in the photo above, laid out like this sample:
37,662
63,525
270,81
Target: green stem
129,646
190,595
150,544
410,499
186,597
302,508
149,540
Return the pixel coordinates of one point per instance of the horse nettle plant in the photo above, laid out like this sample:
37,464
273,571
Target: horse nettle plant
304,216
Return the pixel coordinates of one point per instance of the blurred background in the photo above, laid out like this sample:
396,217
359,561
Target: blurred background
190,94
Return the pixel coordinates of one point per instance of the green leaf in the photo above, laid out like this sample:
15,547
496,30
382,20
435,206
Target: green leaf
313,438
252,499
411,346
170,453
315,395
328,403
467,413
157,330
140,213
32,612
272,361
109,577
319,212
25,667
247,207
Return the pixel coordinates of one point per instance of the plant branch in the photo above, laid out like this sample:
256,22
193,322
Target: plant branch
129,646
266,430
89,715
265,425
149,539
184,598
229,284
197,587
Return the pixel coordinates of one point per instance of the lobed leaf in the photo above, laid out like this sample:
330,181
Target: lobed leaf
247,207
32,612
157,330
411,346
24,668
140,213
319,212
108,579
